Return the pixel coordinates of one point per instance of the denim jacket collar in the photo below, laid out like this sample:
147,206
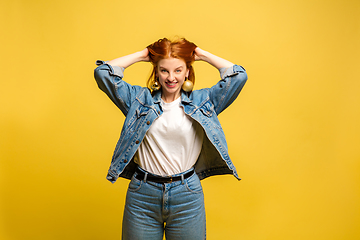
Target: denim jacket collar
184,97
157,96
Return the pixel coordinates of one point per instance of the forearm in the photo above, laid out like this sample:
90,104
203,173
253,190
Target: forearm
130,59
212,59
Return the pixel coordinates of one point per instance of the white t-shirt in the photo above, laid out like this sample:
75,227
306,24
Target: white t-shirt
172,144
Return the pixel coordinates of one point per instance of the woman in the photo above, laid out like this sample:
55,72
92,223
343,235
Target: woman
171,138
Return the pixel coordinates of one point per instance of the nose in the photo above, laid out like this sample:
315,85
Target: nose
171,77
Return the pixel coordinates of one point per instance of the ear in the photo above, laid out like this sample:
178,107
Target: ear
187,73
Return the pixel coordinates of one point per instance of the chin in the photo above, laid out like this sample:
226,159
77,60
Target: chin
172,91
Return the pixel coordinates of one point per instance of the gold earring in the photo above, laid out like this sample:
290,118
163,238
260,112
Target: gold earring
155,86
187,85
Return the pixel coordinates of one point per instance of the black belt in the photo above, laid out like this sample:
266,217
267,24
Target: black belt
140,176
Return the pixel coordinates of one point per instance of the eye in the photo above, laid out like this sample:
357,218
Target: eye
178,70
163,70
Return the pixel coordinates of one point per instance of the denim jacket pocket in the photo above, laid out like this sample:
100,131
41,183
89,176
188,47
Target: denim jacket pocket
137,119
207,109
142,112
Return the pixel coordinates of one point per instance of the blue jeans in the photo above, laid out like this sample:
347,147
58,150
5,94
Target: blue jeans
175,208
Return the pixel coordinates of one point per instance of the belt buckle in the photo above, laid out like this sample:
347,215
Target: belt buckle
168,180
171,179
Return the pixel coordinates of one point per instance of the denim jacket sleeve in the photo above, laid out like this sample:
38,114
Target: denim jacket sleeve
109,79
228,88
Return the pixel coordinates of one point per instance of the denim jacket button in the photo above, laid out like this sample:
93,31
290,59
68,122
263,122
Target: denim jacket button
125,160
137,141
148,122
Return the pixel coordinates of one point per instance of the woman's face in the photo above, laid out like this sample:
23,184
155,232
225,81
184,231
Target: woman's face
171,73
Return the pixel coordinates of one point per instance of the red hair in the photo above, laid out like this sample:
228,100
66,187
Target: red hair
164,48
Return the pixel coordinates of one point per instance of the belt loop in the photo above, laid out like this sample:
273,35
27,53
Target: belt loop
145,177
182,179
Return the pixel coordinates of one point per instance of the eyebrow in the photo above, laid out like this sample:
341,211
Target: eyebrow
166,68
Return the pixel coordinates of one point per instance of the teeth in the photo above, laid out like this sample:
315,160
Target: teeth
171,84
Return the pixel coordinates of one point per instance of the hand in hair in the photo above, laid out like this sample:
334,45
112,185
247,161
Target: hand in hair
126,61
198,54
218,62
145,55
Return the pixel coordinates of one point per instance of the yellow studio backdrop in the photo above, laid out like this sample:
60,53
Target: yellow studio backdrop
293,133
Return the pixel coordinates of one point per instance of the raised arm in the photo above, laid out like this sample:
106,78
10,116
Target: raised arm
212,59
109,79
233,78
126,61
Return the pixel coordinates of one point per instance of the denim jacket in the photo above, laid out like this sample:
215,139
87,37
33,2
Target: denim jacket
142,108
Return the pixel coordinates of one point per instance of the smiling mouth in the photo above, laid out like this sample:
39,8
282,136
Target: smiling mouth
171,84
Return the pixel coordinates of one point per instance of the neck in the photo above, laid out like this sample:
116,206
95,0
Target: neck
168,98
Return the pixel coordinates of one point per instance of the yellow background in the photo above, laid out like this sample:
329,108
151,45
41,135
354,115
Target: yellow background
293,133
